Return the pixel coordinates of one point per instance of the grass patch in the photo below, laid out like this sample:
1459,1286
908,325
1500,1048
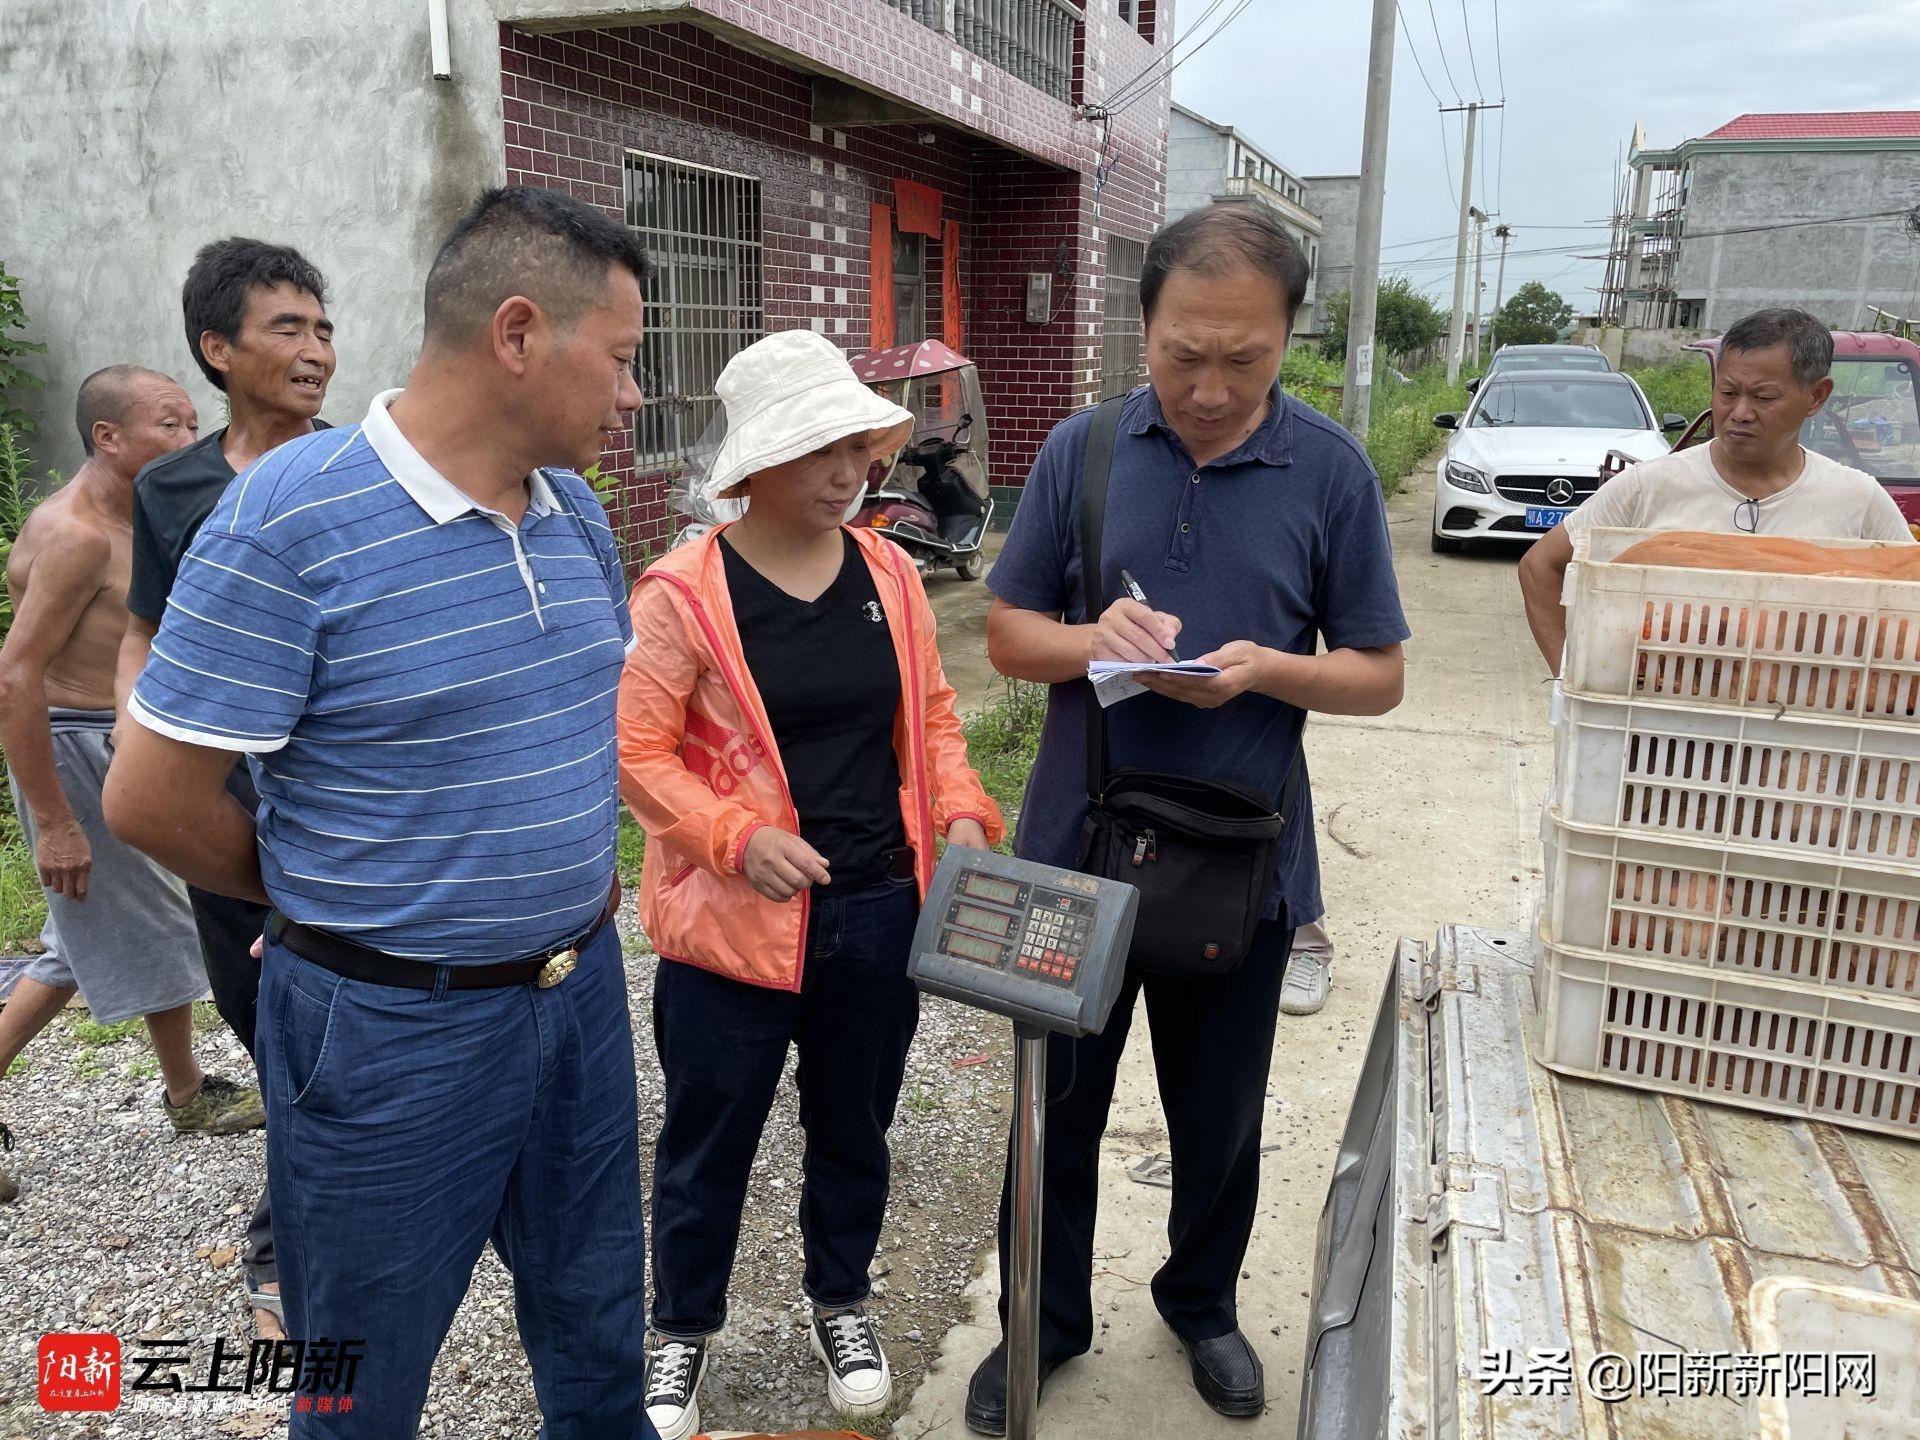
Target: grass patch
873,1426
1683,386
23,905
1400,425
143,1067
1003,737
91,1033
22,1064
206,1018
632,849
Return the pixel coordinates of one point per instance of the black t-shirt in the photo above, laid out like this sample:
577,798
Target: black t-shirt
831,684
172,497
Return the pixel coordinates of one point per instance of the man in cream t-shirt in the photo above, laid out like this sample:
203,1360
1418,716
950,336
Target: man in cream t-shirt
1754,478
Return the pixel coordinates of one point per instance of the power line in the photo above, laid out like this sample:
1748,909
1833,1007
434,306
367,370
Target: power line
1446,157
1142,92
1500,171
1499,64
1415,53
1483,165
1129,97
1694,235
1440,45
1479,89
1158,60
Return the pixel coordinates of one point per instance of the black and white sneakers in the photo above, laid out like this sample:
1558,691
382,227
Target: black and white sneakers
675,1369
848,1344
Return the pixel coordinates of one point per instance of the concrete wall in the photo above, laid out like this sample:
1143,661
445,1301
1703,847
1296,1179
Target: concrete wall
1835,271
137,130
1196,164
1629,349
1336,200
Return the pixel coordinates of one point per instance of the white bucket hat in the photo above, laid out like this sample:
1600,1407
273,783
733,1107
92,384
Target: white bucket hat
788,395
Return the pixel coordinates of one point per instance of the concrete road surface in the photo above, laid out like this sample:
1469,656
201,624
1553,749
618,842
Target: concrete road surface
1428,815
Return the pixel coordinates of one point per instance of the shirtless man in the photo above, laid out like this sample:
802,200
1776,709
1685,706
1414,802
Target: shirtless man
118,926
256,323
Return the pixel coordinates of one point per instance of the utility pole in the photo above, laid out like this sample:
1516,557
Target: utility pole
1502,232
1479,285
1457,326
1364,291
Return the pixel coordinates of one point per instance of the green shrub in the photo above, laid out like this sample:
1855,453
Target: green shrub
14,377
1002,740
1683,385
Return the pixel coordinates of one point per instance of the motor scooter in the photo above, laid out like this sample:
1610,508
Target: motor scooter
932,498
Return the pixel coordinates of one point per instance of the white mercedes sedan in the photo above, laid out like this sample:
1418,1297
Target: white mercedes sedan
1529,449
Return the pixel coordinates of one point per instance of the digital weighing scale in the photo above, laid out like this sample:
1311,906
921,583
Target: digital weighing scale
1047,948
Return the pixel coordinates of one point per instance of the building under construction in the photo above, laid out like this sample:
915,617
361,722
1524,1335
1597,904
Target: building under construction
1812,210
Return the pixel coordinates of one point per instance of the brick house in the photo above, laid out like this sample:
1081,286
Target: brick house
879,169
845,165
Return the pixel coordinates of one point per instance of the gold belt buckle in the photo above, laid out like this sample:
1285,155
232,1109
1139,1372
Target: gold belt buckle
560,964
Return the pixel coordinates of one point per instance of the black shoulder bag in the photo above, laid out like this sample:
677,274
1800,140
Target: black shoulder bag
1200,852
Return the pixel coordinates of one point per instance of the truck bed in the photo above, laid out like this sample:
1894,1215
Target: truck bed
1483,1204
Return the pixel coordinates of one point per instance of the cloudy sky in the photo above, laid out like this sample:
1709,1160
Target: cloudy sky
1577,74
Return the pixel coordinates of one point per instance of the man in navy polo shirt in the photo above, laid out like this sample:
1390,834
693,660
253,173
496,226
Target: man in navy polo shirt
416,628
1256,528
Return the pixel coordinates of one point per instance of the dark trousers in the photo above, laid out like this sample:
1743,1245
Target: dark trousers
1212,1048
723,1045
410,1128
228,929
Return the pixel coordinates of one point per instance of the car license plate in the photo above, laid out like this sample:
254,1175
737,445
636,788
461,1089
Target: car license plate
1545,517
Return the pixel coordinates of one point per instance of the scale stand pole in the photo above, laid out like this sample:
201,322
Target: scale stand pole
1023,1279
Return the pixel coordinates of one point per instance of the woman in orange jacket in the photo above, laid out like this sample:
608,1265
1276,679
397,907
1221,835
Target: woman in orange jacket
788,741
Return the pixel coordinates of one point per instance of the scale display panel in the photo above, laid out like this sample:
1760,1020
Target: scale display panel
1042,945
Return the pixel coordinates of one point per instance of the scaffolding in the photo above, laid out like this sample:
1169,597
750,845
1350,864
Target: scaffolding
1648,220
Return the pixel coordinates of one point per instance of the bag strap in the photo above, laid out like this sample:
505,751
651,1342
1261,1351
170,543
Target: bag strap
1096,471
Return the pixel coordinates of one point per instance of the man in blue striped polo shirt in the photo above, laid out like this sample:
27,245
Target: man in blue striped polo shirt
416,628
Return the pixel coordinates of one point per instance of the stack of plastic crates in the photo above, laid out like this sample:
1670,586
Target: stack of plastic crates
1731,906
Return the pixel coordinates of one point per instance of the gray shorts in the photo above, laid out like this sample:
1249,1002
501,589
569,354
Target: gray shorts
130,946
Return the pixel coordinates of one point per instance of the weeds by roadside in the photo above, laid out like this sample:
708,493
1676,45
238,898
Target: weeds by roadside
1683,386
1400,426
23,906
1003,737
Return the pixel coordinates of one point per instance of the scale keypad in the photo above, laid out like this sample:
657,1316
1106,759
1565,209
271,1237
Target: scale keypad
1053,942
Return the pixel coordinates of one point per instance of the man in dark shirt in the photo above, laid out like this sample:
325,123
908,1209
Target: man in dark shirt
1257,530
257,325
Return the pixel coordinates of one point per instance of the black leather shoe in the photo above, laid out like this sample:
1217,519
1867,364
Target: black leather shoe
1227,1374
987,1392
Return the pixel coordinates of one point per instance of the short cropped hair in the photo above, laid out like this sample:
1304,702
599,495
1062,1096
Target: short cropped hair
108,395
1213,240
522,240
215,295
1808,343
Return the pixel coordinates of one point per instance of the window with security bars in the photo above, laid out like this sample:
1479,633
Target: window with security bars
1122,346
705,301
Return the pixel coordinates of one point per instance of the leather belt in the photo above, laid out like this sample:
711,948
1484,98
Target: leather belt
358,962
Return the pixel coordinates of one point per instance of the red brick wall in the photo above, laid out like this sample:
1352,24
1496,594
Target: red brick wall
575,102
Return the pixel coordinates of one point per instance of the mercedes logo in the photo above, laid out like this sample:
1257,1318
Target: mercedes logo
1560,492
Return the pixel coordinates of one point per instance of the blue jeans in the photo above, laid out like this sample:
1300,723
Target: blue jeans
722,1047
412,1126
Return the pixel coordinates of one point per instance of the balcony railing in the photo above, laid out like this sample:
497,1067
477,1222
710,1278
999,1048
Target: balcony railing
1245,187
1032,40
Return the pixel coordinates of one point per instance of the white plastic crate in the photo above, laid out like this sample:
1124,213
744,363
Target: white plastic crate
1777,644
1805,788
1798,1315
1853,1062
1811,925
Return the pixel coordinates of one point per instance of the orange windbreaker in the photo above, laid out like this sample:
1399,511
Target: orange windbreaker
699,769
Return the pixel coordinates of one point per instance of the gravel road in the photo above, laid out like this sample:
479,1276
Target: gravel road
125,1227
